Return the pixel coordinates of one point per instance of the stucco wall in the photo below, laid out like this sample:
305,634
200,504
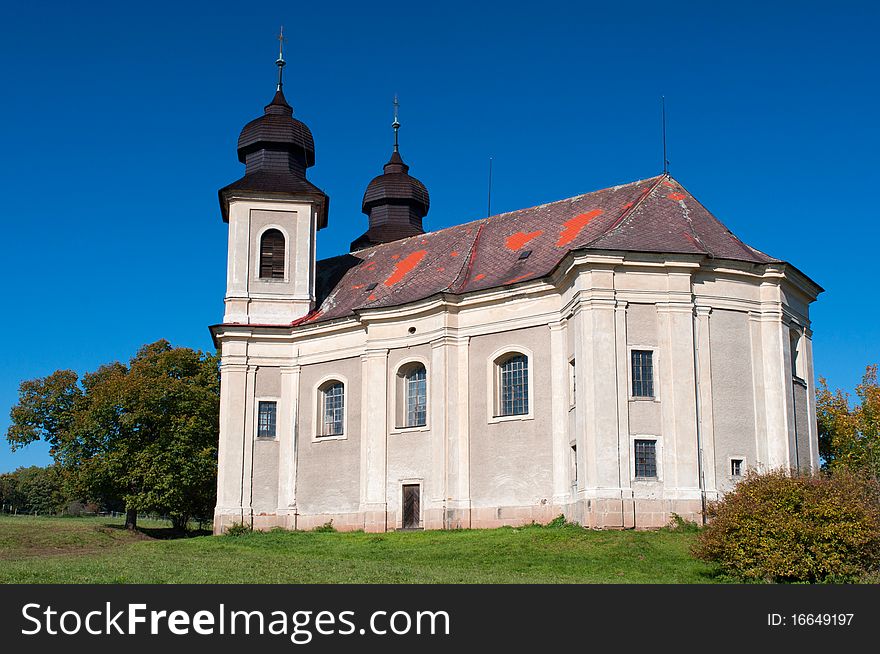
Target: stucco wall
408,449
510,461
264,499
641,331
733,402
328,470
801,415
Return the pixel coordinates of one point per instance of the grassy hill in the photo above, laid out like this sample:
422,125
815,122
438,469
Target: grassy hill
98,550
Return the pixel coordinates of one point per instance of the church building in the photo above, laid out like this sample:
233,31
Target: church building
615,357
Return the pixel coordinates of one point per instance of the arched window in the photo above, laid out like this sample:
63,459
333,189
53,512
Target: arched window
272,255
513,385
331,409
412,396
795,340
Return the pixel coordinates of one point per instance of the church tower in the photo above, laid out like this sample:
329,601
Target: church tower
274,213
395,201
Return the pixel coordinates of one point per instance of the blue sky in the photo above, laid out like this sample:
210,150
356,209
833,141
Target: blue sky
120,122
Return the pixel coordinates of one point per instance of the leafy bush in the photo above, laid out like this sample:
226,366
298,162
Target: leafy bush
559,522
327,527
679,524
776,527
238,529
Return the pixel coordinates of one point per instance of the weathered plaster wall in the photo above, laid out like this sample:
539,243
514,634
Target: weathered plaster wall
733,402
328,469
510,460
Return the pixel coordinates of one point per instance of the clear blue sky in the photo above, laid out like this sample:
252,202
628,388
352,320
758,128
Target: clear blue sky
120,122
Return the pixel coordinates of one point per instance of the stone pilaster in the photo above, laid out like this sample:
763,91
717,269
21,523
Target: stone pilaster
458,501
704,381
230,454
677,391
559,409
247,490
623,437
374,439
288,415
434,512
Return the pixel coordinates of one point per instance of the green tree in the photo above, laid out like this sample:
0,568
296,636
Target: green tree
145,433
33,490
849,436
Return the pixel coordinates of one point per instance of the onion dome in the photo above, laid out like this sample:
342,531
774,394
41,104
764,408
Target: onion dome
276,141
395,202
276,149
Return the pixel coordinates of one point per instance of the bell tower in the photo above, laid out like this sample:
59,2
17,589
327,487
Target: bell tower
274,214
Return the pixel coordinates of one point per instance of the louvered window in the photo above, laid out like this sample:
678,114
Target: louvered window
272,255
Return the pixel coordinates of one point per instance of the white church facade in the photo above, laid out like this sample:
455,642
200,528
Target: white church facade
615,357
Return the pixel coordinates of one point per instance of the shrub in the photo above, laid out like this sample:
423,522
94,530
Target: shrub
777,527
238,529
559,522
679,524
325,528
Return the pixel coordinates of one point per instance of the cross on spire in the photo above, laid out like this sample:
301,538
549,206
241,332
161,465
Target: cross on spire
396,124
280,61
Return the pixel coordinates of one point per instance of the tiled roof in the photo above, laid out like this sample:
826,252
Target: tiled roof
652,215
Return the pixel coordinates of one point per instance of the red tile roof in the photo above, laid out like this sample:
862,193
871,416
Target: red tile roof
652,215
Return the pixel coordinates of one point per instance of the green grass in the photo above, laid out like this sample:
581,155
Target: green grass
57,550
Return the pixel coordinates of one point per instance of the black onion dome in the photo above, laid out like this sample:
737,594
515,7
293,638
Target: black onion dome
396,186
277,129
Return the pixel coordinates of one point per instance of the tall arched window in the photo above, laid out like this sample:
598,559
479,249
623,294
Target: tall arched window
513,385
411,396
415,391
272,255
331,409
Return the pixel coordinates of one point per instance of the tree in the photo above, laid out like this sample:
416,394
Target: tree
849,437
145,433
33,490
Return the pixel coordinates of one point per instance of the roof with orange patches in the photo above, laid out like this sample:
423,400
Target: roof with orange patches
404,267
676,196
573,227
516,241
486,253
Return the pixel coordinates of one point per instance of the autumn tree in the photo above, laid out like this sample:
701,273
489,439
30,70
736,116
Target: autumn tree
145,433
849,436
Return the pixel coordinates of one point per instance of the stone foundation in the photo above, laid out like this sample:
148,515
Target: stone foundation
591,513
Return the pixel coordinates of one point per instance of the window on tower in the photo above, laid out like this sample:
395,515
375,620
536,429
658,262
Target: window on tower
272,255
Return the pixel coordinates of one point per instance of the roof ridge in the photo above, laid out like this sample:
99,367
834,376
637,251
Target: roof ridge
742,244
483,221
629,210
467,264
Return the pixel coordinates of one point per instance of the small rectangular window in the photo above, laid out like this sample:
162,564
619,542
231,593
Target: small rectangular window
646,459
736,466
642,373
266,419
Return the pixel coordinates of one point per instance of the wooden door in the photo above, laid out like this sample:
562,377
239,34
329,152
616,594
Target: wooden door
411,506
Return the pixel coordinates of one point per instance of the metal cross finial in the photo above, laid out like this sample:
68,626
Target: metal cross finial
280,61
396,124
